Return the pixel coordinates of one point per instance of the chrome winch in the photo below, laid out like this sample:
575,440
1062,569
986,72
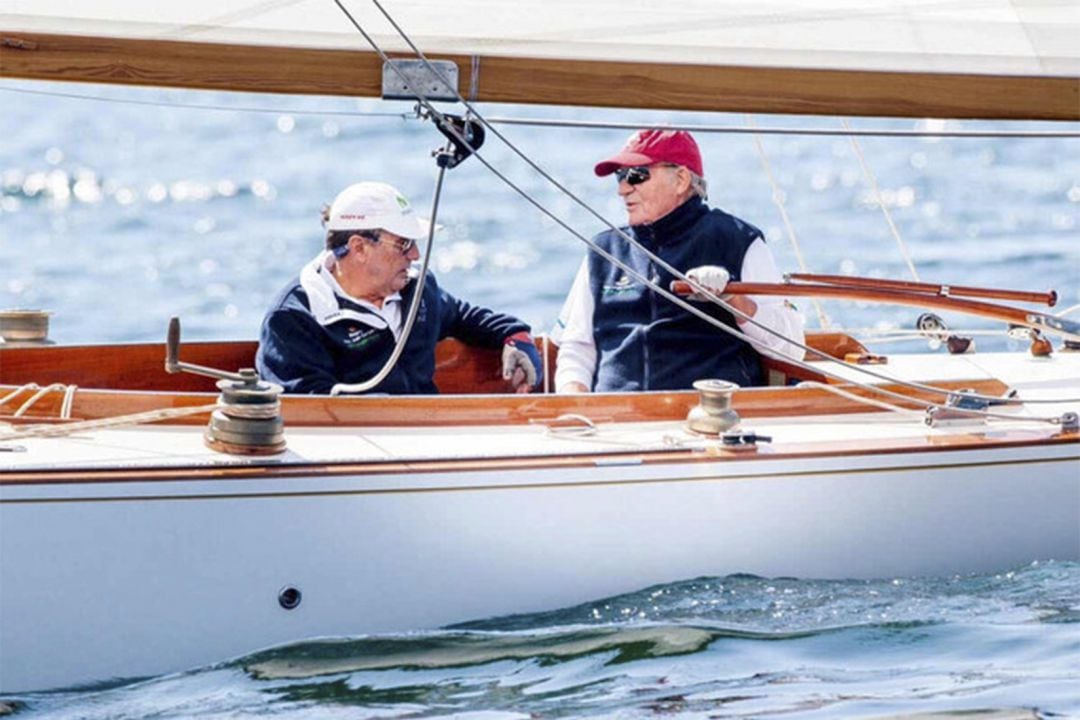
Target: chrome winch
713,415
248,419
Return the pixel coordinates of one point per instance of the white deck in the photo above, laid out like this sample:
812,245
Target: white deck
149,446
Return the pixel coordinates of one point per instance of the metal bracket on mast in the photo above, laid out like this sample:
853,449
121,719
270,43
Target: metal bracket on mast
398,76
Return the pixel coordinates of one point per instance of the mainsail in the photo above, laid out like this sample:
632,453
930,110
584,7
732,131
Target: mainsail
921,58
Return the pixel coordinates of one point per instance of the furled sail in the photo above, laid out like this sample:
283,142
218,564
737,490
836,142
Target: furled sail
947,58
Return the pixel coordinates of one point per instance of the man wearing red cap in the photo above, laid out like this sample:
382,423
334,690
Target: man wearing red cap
617,334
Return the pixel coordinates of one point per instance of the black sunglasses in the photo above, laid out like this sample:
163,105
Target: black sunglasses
633,175
638,174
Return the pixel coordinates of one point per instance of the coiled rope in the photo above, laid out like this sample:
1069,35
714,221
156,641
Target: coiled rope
151,416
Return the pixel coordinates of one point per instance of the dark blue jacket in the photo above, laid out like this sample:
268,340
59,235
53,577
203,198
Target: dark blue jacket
646,342
303,356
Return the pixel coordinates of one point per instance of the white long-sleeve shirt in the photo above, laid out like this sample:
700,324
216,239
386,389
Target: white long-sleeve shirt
577,346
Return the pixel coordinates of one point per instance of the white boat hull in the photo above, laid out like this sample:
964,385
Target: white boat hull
121,579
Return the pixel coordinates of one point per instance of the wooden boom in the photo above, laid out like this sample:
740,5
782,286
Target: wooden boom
1017,316
1045,298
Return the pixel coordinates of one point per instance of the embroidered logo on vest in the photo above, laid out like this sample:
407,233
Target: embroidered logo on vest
622,285
359,337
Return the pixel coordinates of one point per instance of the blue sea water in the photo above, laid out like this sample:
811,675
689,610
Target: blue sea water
995,646
116,214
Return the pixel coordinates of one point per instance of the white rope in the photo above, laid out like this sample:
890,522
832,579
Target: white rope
250,411
151,416
1056,420
880,201
1069,310
65,406
15,393
778,198
69,400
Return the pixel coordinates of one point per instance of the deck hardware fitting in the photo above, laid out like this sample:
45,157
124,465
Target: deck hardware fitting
423,76
248,418
713,414
1070,422
737,438
960,344
960,408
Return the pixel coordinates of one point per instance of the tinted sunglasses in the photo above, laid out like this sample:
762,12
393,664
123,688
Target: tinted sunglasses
376,236
633,175
638,174
404,244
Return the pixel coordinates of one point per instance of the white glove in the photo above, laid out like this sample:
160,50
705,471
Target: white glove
521,362
711,277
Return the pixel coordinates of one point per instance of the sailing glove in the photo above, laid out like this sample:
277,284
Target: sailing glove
711,277
521,364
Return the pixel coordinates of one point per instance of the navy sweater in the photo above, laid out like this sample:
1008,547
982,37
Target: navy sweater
645,342
303,356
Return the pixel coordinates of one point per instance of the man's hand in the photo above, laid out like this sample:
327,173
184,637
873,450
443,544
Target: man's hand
715,279
521,362
711,277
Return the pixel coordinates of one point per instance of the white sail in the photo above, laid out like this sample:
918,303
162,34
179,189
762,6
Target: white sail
978,58
1023,37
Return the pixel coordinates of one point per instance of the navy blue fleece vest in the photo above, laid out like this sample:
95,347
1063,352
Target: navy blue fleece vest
646,342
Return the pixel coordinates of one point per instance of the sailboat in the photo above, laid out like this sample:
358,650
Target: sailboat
160,511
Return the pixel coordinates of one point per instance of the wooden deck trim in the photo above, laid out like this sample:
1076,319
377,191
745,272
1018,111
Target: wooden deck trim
440,410
791,451
672,86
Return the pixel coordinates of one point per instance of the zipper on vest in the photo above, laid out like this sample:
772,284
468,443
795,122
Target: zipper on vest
647,369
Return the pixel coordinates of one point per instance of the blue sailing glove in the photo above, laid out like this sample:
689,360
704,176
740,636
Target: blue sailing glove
521,362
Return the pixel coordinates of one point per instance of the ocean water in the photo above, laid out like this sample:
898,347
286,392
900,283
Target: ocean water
116,215
994,646
121,207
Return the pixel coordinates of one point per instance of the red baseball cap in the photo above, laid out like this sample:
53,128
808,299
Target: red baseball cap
646,147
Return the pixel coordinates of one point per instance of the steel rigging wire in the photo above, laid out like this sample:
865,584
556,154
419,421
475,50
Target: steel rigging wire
421,97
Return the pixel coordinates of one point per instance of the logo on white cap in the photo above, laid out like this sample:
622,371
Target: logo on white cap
372,206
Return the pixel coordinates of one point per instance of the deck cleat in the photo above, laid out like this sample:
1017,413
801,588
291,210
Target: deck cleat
960,344
1040,344
742,439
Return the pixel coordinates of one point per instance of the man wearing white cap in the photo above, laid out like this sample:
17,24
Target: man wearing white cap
618,334
341,319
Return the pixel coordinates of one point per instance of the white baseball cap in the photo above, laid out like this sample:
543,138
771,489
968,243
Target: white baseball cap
375,205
